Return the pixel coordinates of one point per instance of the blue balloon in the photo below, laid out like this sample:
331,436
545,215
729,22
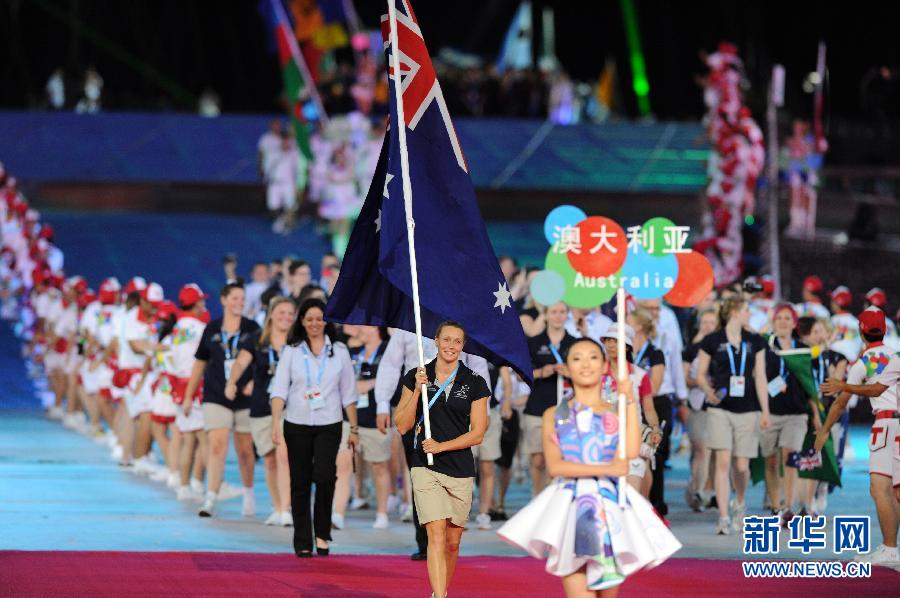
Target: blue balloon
548,287
646,276
560,217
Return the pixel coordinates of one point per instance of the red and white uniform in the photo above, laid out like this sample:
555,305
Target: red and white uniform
872,367
846,328
108,319
134,327
185,339
890,377
63,322
811,309
87,327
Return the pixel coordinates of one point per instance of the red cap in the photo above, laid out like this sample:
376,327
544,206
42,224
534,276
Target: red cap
768,284
166,310
190,294
871,321
21,207
877,297
55,280
153,293
813,284
136,284
47,232
77,283
88,296
842,296
39,276
109,290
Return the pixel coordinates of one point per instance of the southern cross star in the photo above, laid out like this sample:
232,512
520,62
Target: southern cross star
502,294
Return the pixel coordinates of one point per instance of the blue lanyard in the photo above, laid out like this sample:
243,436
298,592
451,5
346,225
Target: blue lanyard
434,399
781,370
821,375
743,359
555,350
640,355
369,360
273,360
320,363
234,344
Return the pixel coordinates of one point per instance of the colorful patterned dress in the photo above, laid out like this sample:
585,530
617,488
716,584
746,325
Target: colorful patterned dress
577,522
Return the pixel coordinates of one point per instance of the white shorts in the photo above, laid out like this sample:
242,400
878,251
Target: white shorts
103,374
89,379
883,447
281,196
54,362
73,362
139,400
192,422
637,467
489,449
164,408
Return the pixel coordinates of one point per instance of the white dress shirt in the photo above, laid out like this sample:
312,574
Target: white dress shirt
338,383
401,355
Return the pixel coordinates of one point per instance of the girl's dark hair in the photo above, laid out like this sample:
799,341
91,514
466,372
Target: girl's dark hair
805,325
167,326
872,338
226,290
133,298
451,324
307,291
298,332
584,339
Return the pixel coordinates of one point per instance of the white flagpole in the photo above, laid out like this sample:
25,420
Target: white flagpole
407,203
621,375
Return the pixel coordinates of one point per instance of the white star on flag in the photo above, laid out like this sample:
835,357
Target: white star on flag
387,181
378,221
502,294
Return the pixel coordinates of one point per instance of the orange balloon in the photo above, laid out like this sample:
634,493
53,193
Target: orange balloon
601,248
695,280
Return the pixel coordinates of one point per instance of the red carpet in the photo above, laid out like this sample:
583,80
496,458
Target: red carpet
169,574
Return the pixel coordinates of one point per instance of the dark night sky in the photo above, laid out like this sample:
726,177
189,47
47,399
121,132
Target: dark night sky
189,44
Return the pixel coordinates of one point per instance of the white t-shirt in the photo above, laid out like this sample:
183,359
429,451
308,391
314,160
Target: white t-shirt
67,323
890,375
134,328
43,302
184,339
812,309
107,323
90,316
872,367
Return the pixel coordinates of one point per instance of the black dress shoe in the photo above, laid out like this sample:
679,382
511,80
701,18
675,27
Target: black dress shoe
304,554
321,551
419,556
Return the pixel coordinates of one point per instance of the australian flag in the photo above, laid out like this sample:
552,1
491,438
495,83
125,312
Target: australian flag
459,277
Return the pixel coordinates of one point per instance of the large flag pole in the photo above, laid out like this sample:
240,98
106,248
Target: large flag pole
407,203
621,375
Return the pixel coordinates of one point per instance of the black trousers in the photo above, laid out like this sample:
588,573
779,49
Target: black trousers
421,534
663,405
312,455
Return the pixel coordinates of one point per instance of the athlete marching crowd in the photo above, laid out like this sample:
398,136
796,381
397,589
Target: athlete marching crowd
130,368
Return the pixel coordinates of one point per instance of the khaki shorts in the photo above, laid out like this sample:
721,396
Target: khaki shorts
261,429
376,447
736,432
532,442
489,449
784,431
439,496
697,423
216,417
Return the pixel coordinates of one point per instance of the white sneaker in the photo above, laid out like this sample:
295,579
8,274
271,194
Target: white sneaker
406,512
141,466
723,528
393,503
117,453
197,486
160,475
248,509
484,521
287,520
208,509
186,493
174,480
358,503
56,413
883,555
337,521
69,422
273,519
228,491
381,521
738,510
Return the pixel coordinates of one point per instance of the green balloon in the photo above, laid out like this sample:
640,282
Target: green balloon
654,231
581,291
